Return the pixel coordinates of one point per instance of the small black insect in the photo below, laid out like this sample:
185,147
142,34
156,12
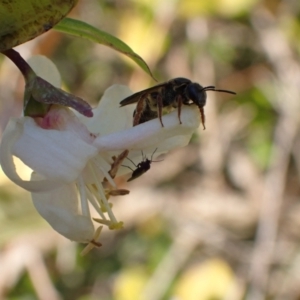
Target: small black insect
162,98
141,167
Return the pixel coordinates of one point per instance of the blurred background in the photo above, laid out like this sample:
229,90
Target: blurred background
218,219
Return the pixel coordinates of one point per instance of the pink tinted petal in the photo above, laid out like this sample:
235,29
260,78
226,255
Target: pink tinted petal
63,119
57,155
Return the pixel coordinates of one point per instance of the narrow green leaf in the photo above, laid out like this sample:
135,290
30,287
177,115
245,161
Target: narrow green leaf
84,30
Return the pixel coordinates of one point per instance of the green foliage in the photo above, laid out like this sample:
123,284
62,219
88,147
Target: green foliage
86,31
214,43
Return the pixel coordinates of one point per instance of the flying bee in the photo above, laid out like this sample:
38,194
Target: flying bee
162,98
141,167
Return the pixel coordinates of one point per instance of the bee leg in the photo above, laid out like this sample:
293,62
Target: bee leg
159,109
202,117
138,111
179,101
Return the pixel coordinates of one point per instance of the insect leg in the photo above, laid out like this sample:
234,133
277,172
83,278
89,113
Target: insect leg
131,161
139,111
128,168
159,108
202,117
143,157
153,154
179,101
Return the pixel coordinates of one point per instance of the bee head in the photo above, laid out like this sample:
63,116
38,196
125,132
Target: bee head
196,93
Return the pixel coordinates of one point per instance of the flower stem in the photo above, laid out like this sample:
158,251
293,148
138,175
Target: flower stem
21,64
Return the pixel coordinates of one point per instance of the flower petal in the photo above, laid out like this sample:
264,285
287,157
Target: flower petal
60,208
151,133
45,68
108,116
64,119
10,135
174,142
58,155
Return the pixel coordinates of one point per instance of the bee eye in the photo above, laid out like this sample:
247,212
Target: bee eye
196,93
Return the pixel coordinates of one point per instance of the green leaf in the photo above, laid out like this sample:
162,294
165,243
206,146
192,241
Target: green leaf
84,30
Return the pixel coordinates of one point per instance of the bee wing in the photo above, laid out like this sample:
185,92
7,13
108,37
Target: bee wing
135,97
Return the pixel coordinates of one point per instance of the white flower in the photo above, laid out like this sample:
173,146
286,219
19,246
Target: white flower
74,159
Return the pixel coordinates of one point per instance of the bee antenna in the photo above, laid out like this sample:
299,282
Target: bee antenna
209,88
212,88
226,91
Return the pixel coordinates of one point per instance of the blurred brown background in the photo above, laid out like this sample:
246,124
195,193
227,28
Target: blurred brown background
218,219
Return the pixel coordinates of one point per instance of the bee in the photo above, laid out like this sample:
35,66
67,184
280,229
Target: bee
162,98
141,167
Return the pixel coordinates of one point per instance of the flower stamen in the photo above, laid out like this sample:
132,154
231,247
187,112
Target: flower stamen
117,163
83,197
99,162
100,190
95,204
93,243
111,225
118,192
